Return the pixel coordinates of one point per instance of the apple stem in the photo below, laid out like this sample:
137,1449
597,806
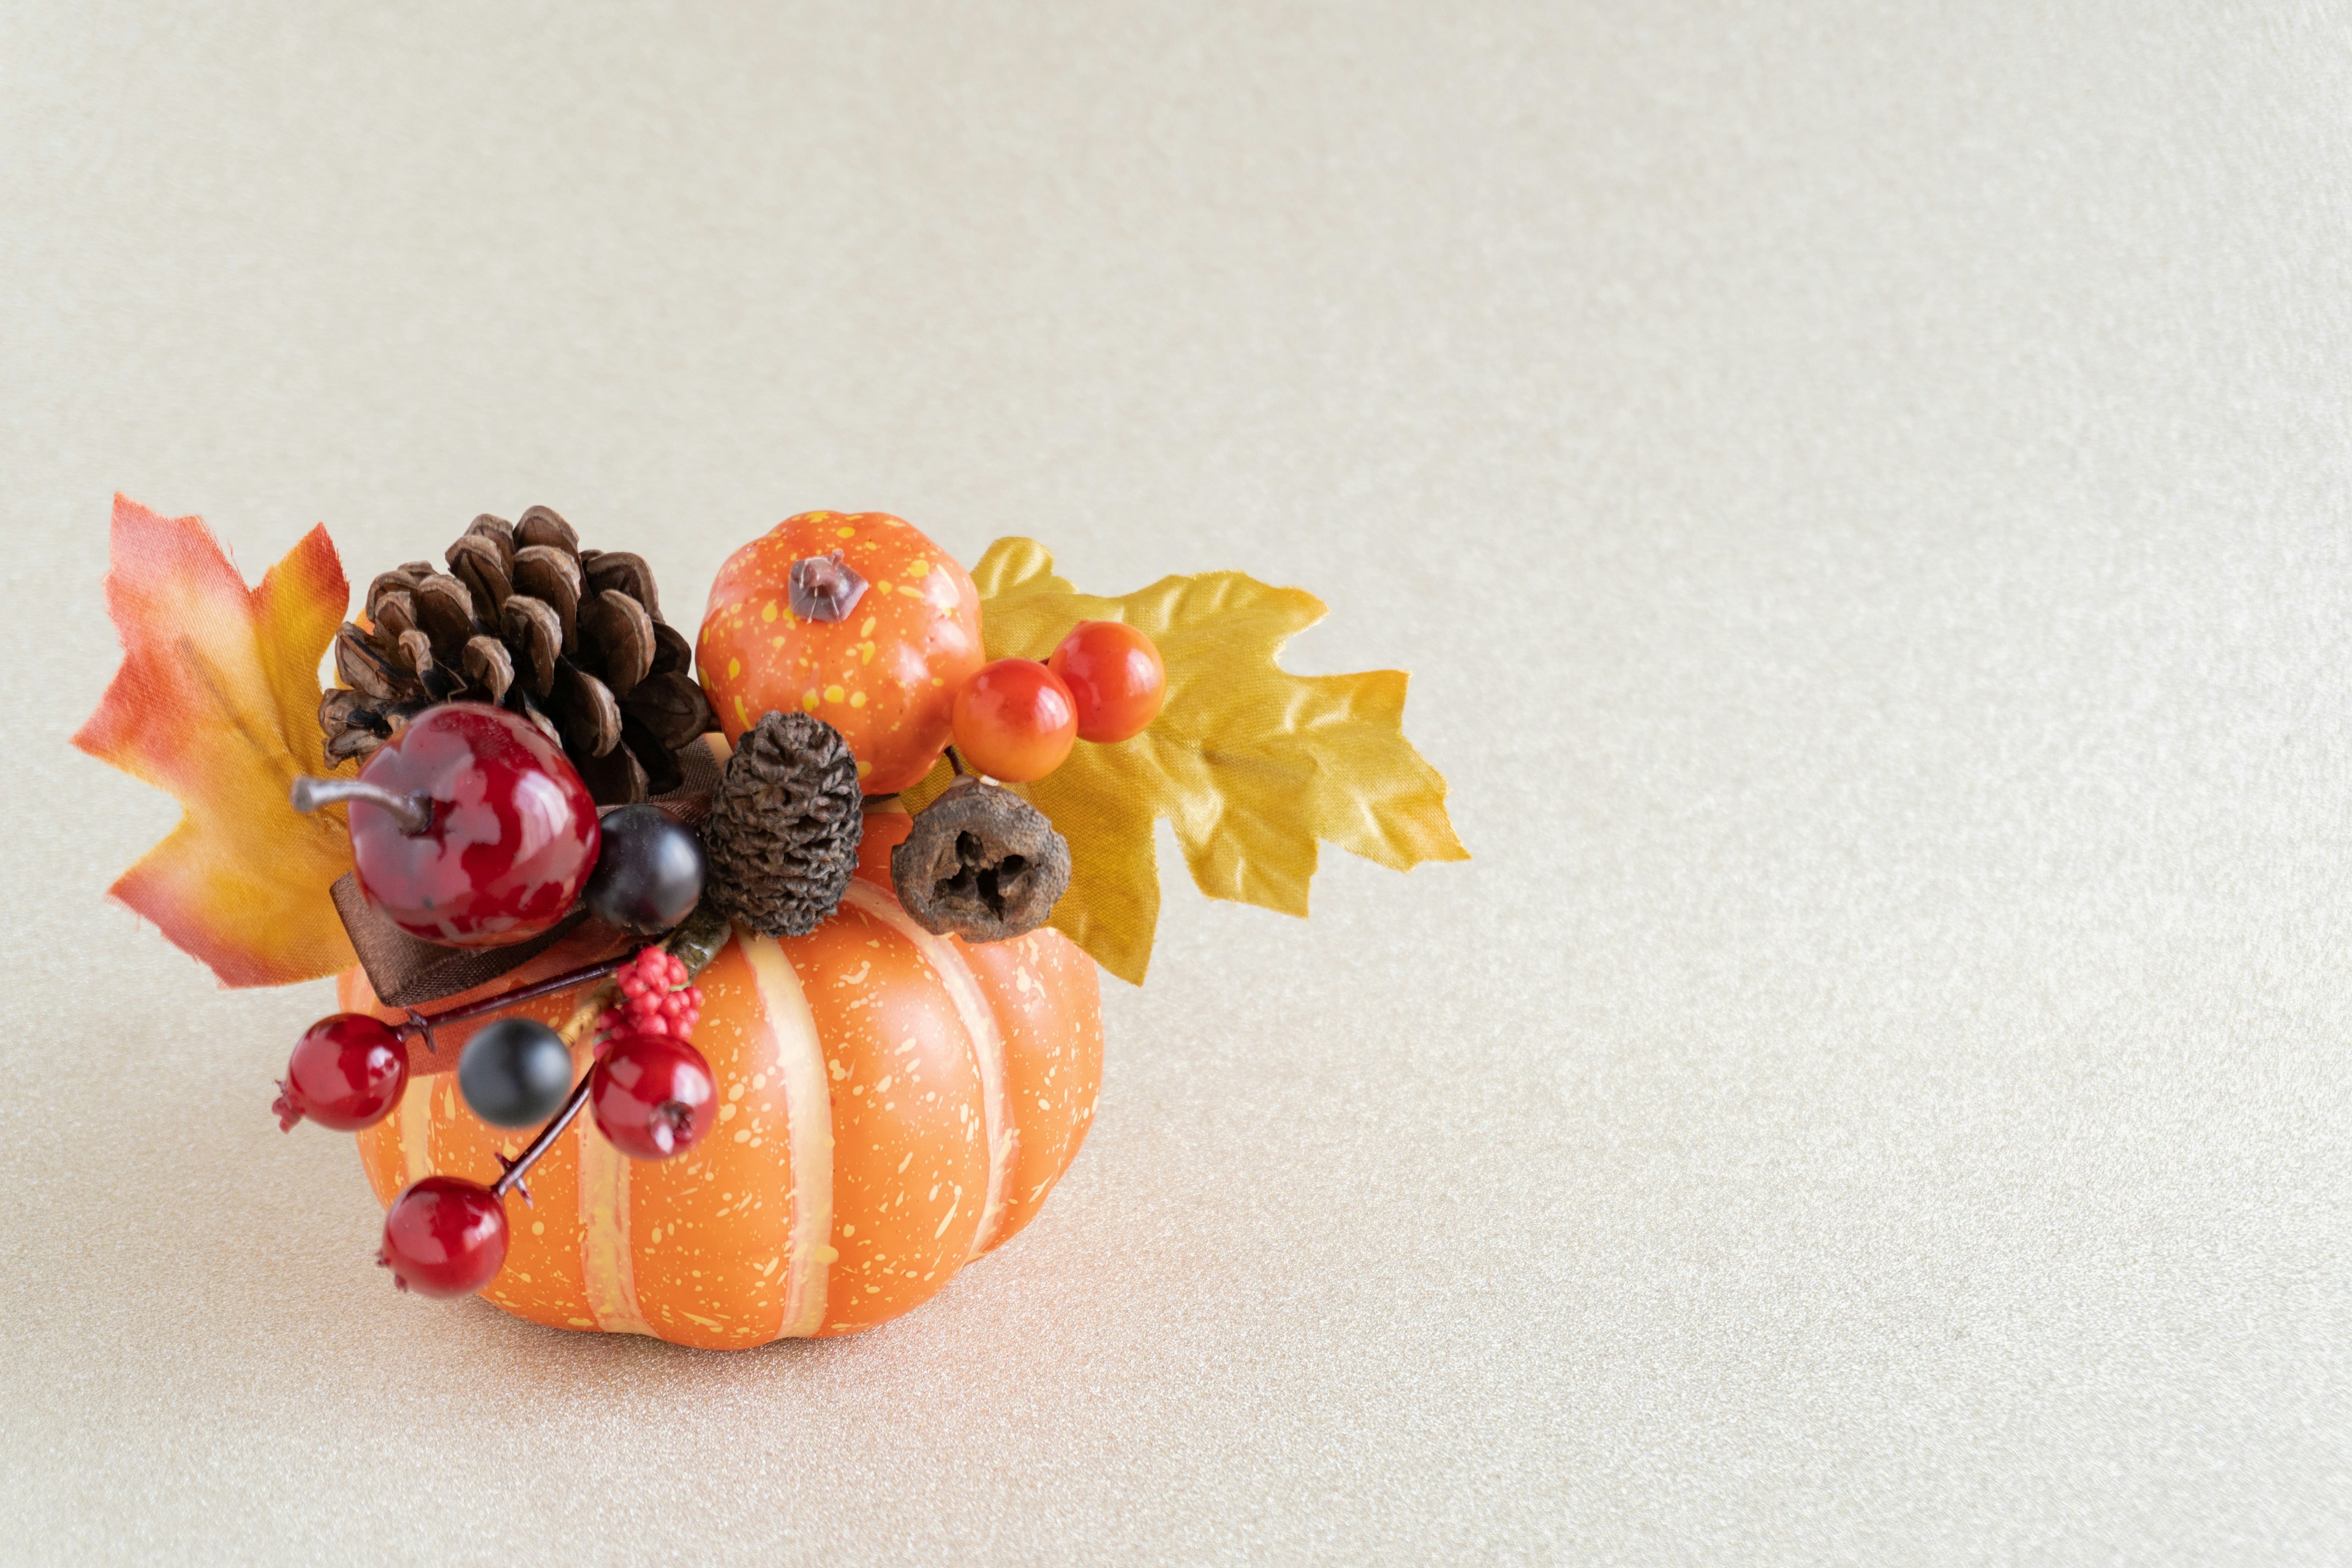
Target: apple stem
412,812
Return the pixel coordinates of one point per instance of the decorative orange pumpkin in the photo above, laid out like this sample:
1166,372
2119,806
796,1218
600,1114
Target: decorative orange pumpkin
884,675
895,1104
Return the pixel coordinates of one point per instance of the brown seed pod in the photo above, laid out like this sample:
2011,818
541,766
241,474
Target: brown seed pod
783,830
982,863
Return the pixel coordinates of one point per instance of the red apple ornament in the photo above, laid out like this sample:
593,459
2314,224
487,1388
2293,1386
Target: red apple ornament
470,828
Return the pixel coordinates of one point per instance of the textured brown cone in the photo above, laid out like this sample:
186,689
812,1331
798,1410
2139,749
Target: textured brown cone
783,831
526,619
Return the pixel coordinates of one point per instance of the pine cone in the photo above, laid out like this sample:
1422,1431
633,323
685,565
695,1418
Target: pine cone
982,863
527,619
784,832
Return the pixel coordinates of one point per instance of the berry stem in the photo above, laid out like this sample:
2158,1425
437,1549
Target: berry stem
695,944
412,812
544,1141
548,987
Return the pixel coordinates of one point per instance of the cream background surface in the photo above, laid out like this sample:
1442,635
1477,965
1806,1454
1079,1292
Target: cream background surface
1862,489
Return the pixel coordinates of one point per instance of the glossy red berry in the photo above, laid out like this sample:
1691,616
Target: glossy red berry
444,1237
655,999
348,1072
652,1095
1014,721
1115,678
470,828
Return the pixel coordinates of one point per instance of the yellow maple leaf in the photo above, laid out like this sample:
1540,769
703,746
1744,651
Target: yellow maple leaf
217,701
1251,764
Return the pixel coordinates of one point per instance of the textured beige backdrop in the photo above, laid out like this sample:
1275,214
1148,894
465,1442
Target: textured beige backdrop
1863,491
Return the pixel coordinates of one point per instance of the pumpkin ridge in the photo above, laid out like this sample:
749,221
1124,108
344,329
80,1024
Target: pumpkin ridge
607,1272
979,1017
808,1130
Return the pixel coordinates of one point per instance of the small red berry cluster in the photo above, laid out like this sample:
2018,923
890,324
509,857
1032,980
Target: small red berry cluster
655,998
1015,720
650,1093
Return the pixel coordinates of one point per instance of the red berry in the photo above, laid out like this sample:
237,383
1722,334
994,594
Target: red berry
347,1072
509,842
444,1237
1115,678
652,1095
1014,721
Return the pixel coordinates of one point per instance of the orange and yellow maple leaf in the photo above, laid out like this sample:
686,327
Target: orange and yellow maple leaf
1254,766
217,701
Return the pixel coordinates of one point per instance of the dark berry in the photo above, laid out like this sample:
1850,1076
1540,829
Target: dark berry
652,1095
514,1072
648,875
347,1072
444,1237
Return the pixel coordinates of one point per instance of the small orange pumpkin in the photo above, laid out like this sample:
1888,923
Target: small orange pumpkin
884,675
893,1105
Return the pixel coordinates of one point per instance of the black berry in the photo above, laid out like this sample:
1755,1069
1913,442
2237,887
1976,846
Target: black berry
648,874
514,1072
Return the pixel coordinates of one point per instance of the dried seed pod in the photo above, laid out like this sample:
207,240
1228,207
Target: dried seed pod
475,561
623,570
552,577
785,826
982,863
672,706
488,664
586,711
540,525
623,635
532,634
444,612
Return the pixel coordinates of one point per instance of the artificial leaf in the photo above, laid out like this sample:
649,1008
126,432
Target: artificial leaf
217,701
1251,764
